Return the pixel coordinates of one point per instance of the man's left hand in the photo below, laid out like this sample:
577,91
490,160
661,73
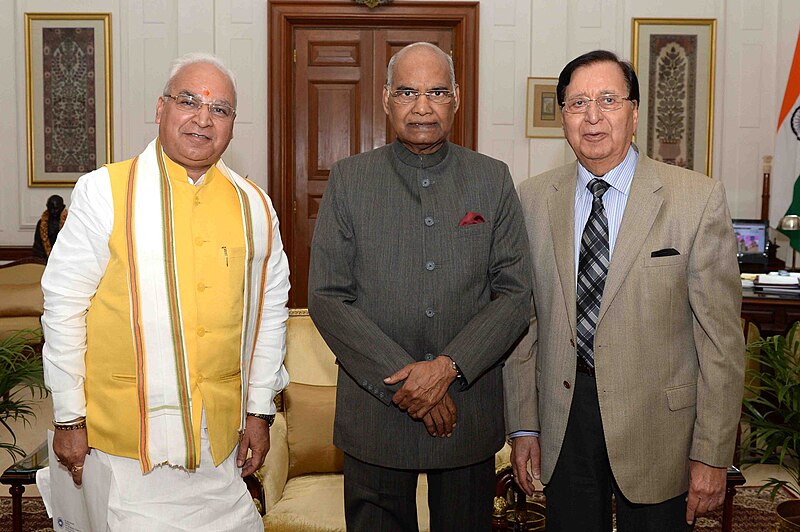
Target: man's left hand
706,489
426,384
256,440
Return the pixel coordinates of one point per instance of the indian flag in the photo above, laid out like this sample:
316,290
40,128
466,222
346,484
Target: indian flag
786,165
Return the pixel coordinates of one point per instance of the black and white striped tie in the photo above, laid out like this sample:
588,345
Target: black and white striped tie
592,270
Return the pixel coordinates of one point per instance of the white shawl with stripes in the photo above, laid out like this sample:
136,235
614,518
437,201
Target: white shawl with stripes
164,392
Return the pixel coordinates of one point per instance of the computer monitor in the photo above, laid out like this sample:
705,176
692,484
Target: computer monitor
751,238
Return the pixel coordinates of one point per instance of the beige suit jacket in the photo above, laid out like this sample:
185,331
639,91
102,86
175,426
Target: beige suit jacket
669,350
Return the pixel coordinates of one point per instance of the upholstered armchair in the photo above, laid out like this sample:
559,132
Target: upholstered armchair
21,300
302,474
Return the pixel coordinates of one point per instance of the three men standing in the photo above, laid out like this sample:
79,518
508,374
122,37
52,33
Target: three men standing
631,376
419,283
165,315
164,322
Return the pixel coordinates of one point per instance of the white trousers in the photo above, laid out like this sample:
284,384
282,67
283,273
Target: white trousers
171,499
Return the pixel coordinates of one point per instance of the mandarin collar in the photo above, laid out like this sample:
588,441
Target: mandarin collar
415,160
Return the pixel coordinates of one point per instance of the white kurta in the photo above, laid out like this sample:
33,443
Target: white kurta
168,498
172,499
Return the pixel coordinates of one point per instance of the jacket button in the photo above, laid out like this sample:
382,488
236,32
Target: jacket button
198,241
430,265
430,312
429,356
201,331
426,183
429,221
567,385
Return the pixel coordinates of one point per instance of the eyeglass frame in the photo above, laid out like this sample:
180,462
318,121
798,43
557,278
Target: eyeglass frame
395,95
599,107
196,98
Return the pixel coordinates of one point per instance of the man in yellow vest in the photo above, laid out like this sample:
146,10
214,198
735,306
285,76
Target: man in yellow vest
165,319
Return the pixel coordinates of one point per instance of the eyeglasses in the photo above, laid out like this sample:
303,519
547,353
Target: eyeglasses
407,96
189,103
606,102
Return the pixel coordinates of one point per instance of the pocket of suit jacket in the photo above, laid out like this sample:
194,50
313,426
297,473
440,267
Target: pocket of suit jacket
667,260
681,397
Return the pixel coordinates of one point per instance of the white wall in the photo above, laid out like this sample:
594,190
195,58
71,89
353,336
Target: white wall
146,36
518,38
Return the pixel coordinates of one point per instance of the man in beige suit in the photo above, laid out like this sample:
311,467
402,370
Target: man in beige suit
630,379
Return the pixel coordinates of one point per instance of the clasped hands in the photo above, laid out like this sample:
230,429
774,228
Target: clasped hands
424,394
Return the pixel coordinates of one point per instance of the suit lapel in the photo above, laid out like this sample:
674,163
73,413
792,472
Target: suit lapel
561,211
641,210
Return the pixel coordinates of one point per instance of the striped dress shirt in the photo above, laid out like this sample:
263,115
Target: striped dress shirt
614,200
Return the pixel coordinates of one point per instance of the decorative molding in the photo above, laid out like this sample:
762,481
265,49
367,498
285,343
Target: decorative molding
372,3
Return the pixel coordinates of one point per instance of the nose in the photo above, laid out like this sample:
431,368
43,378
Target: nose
422,106
593,112
203,116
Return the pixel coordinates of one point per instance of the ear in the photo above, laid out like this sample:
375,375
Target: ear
159,109
385,100
457,97
635,116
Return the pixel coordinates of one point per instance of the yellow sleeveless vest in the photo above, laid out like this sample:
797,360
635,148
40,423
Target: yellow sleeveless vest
210,251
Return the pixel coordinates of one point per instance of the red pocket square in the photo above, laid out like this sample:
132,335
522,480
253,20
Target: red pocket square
471,218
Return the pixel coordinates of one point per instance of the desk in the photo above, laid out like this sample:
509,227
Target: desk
17,476
770,313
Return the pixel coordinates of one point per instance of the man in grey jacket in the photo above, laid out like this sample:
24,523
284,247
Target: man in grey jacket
419,283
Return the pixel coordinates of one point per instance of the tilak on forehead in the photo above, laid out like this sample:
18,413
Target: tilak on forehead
206,92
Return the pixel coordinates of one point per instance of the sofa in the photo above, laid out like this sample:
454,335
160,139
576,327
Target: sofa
21,300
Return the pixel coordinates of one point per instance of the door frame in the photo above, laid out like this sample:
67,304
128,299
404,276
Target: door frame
285,15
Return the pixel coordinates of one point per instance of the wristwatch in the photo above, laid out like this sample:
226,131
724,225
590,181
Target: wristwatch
269,418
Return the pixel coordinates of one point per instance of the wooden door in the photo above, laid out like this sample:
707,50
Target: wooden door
326,104
333,95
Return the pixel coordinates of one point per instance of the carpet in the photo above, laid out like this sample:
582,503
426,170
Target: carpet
752,512
34,516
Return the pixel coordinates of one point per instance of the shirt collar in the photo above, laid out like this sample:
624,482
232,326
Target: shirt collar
619,177
427,160
179,174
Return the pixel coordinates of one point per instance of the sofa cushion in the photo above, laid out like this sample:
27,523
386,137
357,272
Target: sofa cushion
21,272
315,503
309,360
309,414
18,300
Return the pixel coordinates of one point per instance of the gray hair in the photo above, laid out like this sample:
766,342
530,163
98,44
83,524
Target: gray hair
194,58
450,67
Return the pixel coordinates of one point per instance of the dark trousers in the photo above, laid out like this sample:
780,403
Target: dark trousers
381,499
579,492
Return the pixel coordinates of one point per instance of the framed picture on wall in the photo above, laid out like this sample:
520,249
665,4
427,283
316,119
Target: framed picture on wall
674,60
543,114
68,95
